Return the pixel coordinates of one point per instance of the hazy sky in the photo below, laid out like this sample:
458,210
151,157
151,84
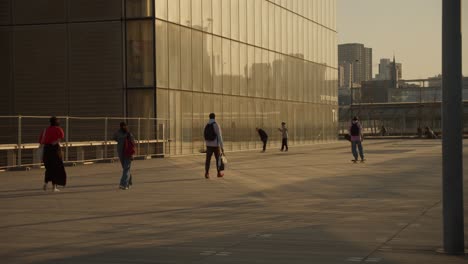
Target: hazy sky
410,28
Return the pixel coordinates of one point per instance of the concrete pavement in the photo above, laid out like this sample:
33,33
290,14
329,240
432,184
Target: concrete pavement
310,205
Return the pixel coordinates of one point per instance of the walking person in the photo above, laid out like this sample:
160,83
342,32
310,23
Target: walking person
126,150
284,136
263,137
214,145
355,131
52,155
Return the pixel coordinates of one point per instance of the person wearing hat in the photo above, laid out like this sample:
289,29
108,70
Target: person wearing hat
284,136
125,140
355,132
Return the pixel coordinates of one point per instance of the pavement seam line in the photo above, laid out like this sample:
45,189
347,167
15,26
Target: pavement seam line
401,230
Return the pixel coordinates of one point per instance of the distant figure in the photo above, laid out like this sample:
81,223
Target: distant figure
383,131
355,131
126,150
52,155
284,136
430,133
263,137
214,145
420,132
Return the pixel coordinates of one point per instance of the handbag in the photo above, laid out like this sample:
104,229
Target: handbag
222,162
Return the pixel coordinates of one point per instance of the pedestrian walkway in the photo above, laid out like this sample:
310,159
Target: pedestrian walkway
309,205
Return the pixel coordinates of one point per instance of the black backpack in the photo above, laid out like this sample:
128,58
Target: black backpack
355,130
210,133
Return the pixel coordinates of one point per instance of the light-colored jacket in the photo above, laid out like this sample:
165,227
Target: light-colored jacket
284,132
218,142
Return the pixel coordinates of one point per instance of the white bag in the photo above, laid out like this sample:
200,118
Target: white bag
224,159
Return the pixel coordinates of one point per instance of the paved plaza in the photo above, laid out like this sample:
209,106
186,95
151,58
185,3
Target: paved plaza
310,205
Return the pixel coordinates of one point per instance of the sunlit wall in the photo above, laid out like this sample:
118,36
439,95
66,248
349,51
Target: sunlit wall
255,63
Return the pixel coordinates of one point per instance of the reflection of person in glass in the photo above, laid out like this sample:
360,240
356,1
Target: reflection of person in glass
284,136
52,156
263,137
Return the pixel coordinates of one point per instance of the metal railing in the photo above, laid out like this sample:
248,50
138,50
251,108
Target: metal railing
87,139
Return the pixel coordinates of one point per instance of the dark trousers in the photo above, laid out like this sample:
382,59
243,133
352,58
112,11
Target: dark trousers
284,144
55,170
264,140
209,152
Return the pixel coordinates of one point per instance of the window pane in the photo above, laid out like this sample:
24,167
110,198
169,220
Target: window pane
186,13
162,60
235,67
139,8
161,9
140,53
174,56
207,62
235,19
226,24
226,66
207,17
217,65
174,11
243,20
197,14
197,59
140,103
186,58
217,12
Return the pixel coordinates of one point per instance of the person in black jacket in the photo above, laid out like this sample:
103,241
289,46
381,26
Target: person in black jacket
263,136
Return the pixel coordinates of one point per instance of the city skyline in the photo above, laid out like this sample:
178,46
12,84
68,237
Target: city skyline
375,23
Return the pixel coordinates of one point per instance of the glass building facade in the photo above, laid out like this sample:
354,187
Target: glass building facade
255,63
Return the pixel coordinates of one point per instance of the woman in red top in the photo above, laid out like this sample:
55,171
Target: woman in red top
50,139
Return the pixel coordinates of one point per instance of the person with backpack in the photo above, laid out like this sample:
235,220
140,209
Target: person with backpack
126,150
214,145
355,131
284,136
263,137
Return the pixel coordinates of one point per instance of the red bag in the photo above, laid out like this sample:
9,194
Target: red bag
129,148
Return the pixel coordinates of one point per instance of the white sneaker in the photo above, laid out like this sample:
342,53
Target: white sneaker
56,190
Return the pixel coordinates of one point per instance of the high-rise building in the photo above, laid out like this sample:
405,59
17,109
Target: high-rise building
386,68
359,57
255,63
345,75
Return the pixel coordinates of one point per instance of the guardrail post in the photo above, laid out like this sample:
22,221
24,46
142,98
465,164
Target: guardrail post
106,123
20,145
147,140
67,136
139,136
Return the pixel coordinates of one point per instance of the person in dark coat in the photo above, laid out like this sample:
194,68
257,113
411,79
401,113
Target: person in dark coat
121,136
263,137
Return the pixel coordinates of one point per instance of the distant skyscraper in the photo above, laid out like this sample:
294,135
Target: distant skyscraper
345,74
386,68
359,57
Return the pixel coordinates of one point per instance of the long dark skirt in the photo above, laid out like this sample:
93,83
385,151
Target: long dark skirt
55,171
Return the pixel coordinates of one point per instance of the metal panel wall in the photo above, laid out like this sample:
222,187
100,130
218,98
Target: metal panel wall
40,70
5,71
88,10
96,83
39,11
5,12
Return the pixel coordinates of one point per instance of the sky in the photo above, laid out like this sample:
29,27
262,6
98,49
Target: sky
409,28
